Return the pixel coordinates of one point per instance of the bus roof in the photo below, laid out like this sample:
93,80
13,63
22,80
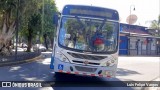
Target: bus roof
90,11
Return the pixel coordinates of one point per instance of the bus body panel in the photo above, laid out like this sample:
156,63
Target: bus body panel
63,67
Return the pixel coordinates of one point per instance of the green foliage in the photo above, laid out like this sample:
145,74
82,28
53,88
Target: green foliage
41,39
155,24
49,10
31,17
28,15
34,10
34,24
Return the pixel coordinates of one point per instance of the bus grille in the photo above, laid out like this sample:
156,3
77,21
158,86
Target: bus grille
89,57
81,62
85,69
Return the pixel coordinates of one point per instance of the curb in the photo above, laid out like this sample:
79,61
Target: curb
21,62
139,56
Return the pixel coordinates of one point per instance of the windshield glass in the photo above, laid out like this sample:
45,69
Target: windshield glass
88,34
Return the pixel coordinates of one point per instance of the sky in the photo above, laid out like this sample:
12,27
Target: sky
145,10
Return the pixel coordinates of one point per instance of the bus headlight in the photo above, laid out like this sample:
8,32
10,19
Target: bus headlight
109,63
62,57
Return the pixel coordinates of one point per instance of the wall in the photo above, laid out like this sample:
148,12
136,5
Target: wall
138,45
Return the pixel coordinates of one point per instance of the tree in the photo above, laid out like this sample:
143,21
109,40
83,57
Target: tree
8,19
30,21
45,20
155,25
30,18
33,26
7,24
49,10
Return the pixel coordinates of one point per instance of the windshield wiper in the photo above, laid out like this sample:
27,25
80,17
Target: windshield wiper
78,19
100,28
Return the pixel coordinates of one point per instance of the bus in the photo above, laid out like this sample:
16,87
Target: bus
86,41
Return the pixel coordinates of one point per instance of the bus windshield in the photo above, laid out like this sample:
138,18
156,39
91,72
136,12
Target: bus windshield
88,34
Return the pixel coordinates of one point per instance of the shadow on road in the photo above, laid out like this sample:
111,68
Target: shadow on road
77,82
34,71
125,72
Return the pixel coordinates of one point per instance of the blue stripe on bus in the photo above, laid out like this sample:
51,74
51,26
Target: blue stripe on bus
52,61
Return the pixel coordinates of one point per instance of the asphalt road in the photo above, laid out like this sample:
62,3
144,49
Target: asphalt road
129,69
138,68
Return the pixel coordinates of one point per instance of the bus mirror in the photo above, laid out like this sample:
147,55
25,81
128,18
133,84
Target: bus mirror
55,19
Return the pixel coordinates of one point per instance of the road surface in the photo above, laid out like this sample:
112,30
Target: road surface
129,69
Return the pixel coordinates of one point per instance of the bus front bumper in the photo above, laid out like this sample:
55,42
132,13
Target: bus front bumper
73,68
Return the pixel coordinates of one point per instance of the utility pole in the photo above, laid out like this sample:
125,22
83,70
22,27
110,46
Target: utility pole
129,38
17,29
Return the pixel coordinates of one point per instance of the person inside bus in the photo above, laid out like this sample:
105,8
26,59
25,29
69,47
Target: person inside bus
80,41
72,40
97,41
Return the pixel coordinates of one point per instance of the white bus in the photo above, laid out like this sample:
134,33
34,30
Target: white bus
86,41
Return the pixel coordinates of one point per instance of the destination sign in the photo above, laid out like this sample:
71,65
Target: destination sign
91,12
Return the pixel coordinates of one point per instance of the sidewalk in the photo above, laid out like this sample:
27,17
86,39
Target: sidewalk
22,57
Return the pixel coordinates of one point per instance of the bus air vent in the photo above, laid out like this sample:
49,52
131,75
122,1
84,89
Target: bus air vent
89,57
81,62
85,69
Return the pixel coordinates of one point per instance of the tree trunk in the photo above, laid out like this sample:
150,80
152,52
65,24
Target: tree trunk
45,41
6,35
29,44
52,41
29,41
5,51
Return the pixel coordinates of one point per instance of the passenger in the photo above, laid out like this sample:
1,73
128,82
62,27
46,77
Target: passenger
98,41
72,40
80,43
